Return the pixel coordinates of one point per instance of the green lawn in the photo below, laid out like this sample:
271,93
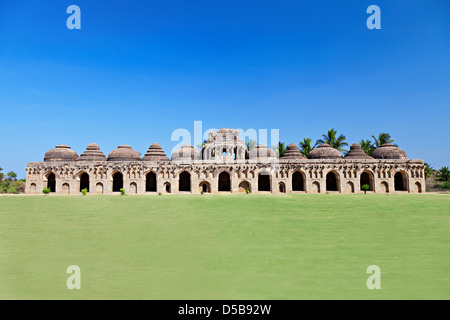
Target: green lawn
225,246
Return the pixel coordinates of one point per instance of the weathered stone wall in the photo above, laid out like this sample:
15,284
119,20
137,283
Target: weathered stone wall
347,175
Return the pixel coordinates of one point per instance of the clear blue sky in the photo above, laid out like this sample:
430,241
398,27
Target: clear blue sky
137,70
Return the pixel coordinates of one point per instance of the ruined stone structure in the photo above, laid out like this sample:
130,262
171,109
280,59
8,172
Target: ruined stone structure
225,165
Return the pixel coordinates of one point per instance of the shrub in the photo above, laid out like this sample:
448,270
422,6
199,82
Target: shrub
4,186
46,191
13,189
12,186
84,191
444,186
365,188
122,192
159,194
247,191
201,192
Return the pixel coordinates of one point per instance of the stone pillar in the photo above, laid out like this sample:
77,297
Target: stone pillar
234,183
288,182
74,186
194,183
391,185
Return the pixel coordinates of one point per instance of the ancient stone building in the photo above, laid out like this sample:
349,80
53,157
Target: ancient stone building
225,165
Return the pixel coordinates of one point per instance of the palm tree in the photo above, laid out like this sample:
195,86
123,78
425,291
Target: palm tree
444,174
333,140
428,170
382,138
367,146
1,174
251,144
200,145
280,149
305,147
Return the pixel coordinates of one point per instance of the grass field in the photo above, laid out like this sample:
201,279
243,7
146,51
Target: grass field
225,246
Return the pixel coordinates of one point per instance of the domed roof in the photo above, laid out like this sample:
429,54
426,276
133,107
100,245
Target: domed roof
60,153
92,153
356,152
124,153
155,153
292,153
388,151
186,152
324,151
261,152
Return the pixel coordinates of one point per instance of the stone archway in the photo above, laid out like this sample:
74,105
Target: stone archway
99,188
150,182
51,182
332,181
117,182
366,178
133,188
349,187
418,187
204,187
298,181
84,181
264,182
184,184
224,182
384,187
65,188
282,187
33,188
400,181
167,187
243,186
315,187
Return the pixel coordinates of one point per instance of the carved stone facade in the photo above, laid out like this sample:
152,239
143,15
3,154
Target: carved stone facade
223,165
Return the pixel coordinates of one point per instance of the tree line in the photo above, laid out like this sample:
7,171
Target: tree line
335,140
368,146
10,184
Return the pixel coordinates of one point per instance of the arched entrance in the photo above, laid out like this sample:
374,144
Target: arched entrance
282,187
264,182
65,188
350,188
33,188
315,187
418,187
84,181
243,186
150,182
400,181
99,188
297,181
51,182
332,184
224,181
184,182
133,188
117,182
167,187
384,187
366,178
205,187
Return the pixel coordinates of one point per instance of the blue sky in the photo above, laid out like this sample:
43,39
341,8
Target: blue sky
138,70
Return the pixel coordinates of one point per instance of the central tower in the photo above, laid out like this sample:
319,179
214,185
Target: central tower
224,145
